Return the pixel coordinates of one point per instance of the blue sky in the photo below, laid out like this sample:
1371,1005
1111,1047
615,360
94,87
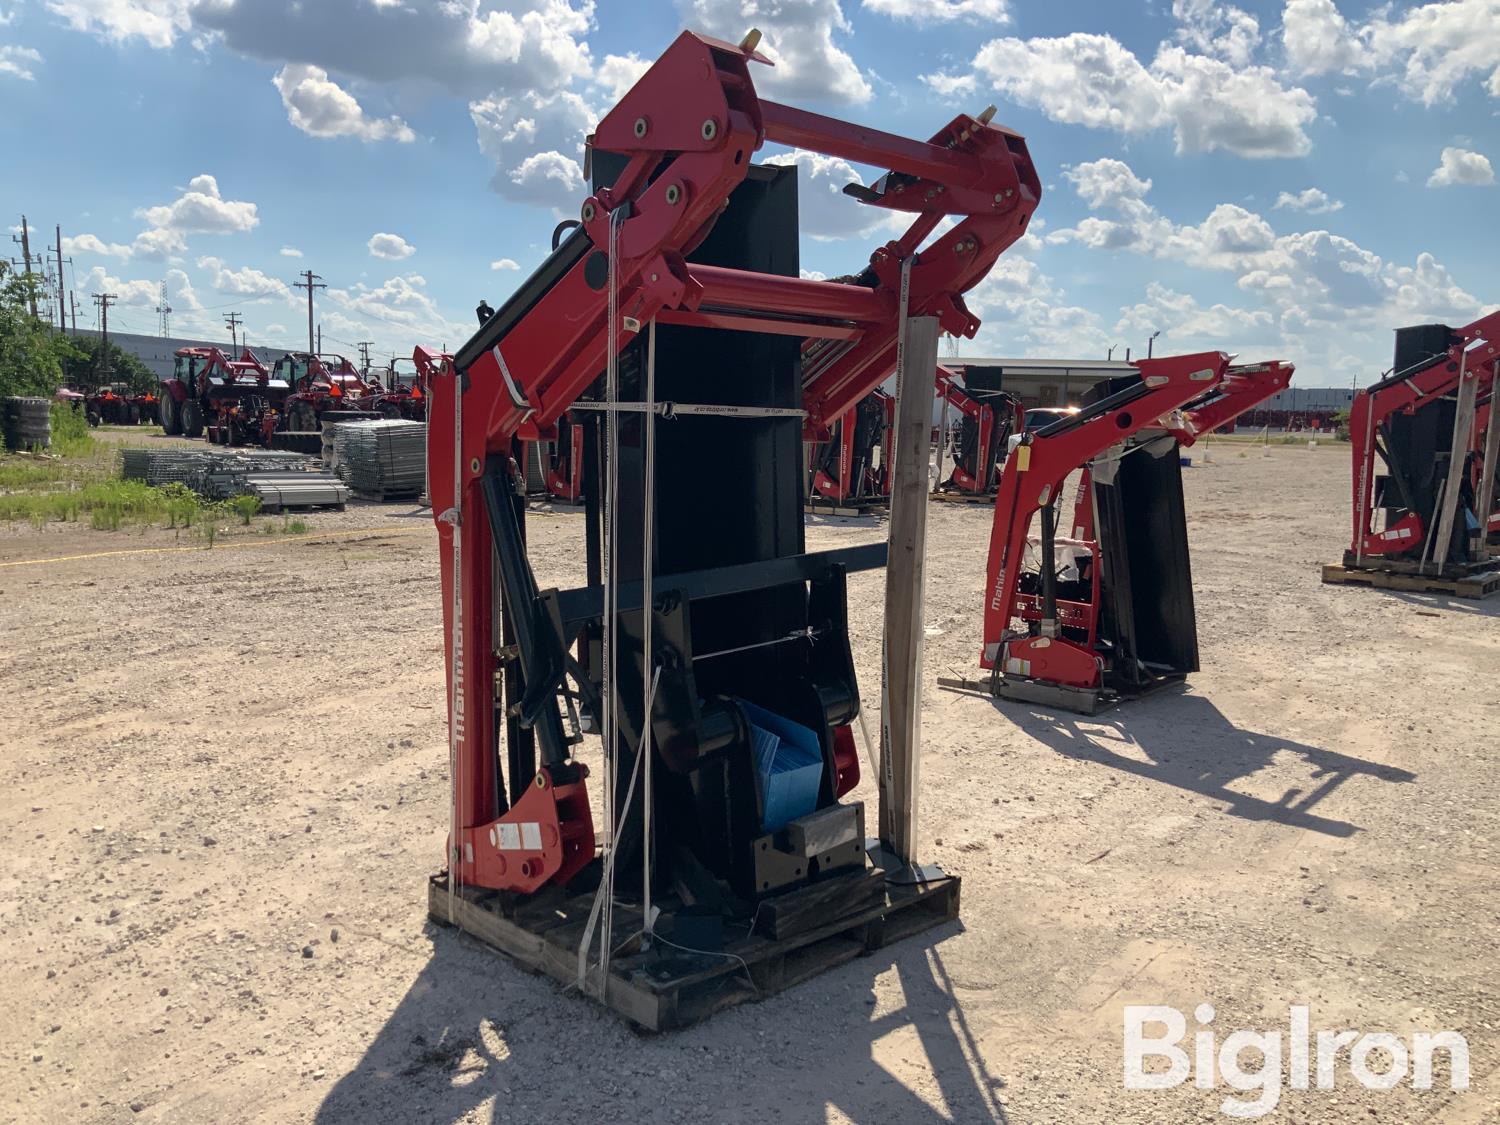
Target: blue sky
1289,179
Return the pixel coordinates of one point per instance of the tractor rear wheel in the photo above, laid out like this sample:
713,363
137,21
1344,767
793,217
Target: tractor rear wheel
192,418
168,414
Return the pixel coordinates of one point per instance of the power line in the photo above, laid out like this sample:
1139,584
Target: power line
285,289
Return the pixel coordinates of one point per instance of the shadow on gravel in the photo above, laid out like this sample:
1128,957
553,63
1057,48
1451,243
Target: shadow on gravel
479,1039
1185,741
1440,604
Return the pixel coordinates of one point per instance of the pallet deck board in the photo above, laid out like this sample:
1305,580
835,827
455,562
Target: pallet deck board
664,988
1481,584
964,497
847,510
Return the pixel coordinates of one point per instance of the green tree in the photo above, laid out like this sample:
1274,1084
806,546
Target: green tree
1341,424
31,353
85,367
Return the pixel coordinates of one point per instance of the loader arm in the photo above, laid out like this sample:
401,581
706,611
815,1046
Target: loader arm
987,443
1471,353
687,131
1244,388
1037,468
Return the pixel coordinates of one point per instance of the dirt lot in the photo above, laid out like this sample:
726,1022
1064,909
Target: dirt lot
226,783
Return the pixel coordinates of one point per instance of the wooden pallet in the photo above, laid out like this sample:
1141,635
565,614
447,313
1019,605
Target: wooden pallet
1481,584
663,987
848,509
387,496
965,497
271,508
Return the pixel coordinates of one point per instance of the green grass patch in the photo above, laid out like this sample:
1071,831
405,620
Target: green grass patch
244,506
108,504
84,486
23,472
70,432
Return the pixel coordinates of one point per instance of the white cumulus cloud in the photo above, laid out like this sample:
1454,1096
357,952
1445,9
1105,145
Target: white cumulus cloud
1438,47
1313,290
536,144
1222,30
1313,200
393,314
468,46
505,264
93,244
1318,40
802,37
825,212
156,22
200,209
290,252
1427,51
1094,80
923,11
245,282
1024,312
391,247
18,61
320,107
617,73
1461,166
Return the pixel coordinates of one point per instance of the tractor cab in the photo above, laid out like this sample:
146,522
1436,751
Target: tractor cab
319,383
187,363
327,374
403,376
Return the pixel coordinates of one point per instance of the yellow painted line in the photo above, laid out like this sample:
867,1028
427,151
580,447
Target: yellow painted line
222,546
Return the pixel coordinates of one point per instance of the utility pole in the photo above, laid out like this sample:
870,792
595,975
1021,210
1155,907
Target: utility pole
1150,341
25,241
163,309
62,306
364,356
319,348
104,300
311,282
233,320
73,305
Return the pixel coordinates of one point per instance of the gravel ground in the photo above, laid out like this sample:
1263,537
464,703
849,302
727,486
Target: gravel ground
226,783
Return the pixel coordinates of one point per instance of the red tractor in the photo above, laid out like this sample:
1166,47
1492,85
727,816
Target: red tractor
114,404
398,391
318,383
237,400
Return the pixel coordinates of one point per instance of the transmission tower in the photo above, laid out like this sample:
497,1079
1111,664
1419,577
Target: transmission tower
163,310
